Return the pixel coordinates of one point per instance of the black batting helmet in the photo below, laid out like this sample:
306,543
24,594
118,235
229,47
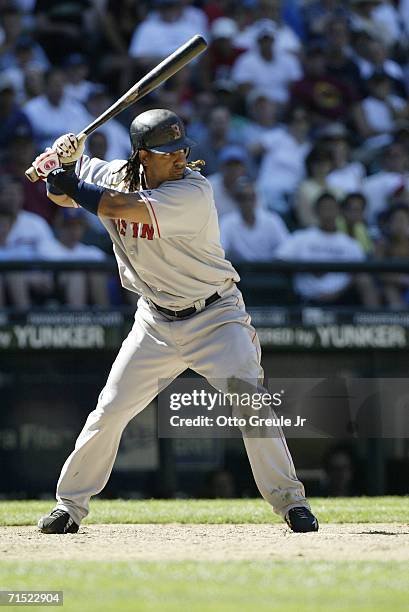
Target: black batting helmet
159,130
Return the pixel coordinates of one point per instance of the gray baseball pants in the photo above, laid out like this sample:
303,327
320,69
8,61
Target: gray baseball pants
217,343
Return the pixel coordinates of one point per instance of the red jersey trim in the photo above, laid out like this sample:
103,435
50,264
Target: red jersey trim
147,201
79,173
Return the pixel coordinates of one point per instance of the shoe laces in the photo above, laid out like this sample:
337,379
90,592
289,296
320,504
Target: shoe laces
58,512
302,512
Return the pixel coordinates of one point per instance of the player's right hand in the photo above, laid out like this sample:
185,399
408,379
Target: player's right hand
46,163
69,148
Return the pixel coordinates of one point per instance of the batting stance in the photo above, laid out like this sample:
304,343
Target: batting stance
162,219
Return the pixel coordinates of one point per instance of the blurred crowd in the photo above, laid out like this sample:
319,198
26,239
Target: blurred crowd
299,108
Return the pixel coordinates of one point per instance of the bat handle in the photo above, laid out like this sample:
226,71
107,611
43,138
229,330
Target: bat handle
32,175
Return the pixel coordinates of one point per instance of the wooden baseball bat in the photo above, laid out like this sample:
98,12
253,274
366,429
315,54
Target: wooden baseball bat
167,68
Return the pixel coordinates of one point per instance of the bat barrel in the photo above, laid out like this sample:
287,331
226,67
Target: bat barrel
158,75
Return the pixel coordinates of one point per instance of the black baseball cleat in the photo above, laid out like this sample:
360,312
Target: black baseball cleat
301,520
58,521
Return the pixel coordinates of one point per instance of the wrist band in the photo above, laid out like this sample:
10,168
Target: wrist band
86,195
69,169
52,189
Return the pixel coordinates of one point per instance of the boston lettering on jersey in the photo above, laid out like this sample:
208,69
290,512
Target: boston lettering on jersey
139,230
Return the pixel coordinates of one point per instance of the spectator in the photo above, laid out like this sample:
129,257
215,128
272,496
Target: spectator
30,56
287,39
14,286
395,243
62,26
352,221
346,175
390,181
376,60
28,229
326,243
317,15
12,119
54,112
117,137
77,288
221,54
267,11
25,239
76,71
263,68
13,35
360,50
226,92
155,38
401,134
282,167
34,84
18,157
214,9
404,14
262,115
250,233
377,18
386,13
118,19
219,133
233,162
177,94
325,97
343,473
338,53
23,68
205,101
191,13
318,164
376,116
97,145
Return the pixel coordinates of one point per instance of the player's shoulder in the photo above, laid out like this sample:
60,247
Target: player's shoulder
200,182
114,165
192,180
194,175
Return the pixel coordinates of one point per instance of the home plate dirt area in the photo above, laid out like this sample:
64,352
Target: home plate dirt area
174,541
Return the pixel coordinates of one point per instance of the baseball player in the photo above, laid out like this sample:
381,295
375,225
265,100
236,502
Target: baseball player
161,216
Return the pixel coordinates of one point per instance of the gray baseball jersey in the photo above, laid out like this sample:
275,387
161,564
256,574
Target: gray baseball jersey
178,259
175,262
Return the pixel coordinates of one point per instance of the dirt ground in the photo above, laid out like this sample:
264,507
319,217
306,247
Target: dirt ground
209,542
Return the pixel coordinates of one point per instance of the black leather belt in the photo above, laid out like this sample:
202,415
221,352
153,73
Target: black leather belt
187,311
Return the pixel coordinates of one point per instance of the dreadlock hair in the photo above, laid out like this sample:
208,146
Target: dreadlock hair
134,177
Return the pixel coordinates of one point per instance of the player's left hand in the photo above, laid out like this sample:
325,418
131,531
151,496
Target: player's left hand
70,148
46,163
